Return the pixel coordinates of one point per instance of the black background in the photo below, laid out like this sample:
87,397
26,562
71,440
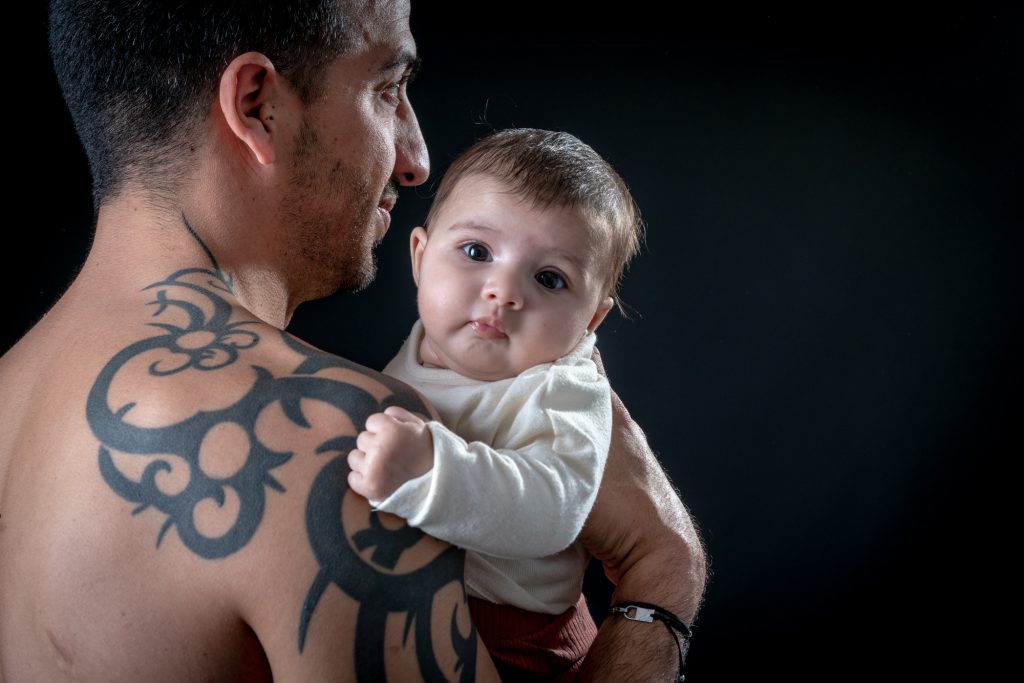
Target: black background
824,349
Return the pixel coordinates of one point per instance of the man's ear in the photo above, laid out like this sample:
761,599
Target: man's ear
417,243
599,315
250,90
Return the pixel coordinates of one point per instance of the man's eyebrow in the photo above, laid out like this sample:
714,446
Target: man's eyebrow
406,61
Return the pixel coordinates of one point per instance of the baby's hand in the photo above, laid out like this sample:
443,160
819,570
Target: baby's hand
395,447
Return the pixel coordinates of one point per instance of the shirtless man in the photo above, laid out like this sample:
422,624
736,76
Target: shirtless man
173,499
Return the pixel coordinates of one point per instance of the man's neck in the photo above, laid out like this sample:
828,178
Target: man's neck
138,242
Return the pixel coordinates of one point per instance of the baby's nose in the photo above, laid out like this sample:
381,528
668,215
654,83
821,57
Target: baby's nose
505,291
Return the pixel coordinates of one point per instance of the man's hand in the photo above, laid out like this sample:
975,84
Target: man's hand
395,447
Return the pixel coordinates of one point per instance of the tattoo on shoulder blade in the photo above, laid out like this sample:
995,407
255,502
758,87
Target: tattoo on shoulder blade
197,334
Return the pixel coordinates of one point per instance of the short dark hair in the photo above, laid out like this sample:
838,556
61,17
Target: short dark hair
138,75
556,169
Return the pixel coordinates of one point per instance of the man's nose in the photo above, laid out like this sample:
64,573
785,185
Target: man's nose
503,289
412,163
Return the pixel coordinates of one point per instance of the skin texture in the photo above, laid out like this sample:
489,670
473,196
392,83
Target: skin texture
172,475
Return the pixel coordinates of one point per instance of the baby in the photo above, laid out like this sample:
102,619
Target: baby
517,266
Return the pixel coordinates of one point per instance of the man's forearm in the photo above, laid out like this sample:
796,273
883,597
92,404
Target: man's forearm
665,563
625,650
647,540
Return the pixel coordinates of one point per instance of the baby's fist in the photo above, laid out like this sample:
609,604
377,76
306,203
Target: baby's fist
395,447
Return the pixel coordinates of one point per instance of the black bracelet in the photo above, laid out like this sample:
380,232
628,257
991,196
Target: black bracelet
646,612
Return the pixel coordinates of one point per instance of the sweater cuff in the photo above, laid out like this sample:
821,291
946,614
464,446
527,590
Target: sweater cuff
408,499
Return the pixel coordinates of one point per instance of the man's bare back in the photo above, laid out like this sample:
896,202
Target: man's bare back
204,454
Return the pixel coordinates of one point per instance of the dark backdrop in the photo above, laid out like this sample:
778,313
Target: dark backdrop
827,312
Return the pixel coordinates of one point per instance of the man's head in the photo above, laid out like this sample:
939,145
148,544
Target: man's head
139,77
357,142
299,107
527,239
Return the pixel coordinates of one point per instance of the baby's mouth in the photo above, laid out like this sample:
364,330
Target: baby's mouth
489,327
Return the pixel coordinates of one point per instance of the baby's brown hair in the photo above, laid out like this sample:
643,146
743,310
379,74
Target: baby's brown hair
557,170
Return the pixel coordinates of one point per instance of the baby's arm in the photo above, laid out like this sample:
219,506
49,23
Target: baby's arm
395,447
526,502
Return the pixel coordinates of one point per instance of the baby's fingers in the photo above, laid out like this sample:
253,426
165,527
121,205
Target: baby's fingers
356,480
366,441
402,415
356,460
378,422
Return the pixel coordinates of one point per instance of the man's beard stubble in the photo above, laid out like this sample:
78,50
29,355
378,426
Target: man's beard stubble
329,214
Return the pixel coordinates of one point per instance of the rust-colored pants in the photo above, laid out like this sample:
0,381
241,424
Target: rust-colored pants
527,646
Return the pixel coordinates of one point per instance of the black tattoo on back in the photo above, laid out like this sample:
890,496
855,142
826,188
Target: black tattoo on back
209,341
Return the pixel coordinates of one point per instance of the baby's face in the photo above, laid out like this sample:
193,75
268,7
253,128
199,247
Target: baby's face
504,285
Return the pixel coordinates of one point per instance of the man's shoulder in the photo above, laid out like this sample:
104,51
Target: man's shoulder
229,444
205,353
176,376
302,370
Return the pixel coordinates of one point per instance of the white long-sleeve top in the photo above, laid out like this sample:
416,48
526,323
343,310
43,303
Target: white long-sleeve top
516,487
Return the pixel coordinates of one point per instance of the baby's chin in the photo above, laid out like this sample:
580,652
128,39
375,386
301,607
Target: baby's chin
490,373
480,373
487,373
430,356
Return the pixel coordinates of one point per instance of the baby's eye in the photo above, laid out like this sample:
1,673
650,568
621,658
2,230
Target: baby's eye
476,251
550,279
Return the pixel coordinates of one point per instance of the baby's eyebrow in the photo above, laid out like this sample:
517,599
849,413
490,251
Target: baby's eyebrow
471,226
572,258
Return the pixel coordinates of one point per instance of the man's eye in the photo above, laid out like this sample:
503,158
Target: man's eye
393,93
550,280
476,251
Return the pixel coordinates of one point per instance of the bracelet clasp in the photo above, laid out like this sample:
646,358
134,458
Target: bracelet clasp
634,613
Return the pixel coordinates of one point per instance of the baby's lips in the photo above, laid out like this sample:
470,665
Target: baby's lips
489,327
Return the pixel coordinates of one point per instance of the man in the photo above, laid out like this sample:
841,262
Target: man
173,498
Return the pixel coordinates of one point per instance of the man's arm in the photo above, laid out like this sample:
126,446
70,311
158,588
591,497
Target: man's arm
642,532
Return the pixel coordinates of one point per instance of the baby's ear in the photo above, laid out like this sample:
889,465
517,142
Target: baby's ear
417,243
602,311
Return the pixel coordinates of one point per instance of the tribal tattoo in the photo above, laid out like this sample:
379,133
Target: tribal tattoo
191,311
